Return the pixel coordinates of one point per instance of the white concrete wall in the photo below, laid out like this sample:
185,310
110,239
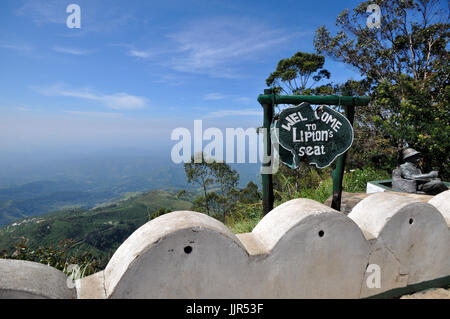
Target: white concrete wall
28,280
442,203
410,240
301,249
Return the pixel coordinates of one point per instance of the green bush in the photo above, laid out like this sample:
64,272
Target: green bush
356,181
67,253
244,218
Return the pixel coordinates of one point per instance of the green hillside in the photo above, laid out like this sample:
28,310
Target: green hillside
99,231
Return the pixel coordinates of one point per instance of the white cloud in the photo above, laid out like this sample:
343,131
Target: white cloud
70,50
213,97
146,54
172,79
23,108
243,99
17,47
117,101
216,46
95,114
139,54
44,11
226,113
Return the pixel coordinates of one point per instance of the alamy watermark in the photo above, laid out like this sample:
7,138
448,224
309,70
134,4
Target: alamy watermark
374,19
74,19
373,280
251,138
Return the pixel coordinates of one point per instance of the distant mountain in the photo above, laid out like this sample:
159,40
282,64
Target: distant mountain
11,210
99,231
87,182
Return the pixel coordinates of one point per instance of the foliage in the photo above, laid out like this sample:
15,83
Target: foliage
419,117
405,70
227,179
249,194
356,180
221,196
302,67
313,185
208,173
161,211
371,148
61,257
198,171
245,217
411,40
318,185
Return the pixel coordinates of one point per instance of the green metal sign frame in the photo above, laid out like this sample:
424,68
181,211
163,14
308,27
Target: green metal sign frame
268,100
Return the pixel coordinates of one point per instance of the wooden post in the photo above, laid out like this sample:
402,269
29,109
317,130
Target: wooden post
267,182
338,172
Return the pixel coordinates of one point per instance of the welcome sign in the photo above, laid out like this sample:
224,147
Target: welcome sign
319,135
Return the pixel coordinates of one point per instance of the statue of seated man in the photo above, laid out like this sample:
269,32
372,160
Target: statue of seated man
428,183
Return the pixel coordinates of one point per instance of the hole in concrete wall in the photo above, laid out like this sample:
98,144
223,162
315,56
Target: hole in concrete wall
188,249
411,221
321,233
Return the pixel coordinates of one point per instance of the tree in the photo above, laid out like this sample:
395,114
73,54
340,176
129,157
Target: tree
250,194
211,201
405,70
421,118
201,174
227,178
293,74
209,172
159,212
411,40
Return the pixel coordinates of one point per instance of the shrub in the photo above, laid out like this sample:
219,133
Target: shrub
356,181
60,257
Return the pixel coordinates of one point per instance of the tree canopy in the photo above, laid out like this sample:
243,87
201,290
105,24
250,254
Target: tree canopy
405,68
210,174
411,40
293,74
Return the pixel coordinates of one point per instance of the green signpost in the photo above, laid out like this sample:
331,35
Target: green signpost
320,135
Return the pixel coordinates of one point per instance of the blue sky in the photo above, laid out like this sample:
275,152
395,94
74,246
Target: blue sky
138,69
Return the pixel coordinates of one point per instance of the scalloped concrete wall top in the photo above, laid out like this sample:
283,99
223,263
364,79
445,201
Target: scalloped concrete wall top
442,203
301,249
373,213
28,280
285,217
150,234
185,254
411,238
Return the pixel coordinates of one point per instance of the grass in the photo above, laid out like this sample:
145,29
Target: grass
247,216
